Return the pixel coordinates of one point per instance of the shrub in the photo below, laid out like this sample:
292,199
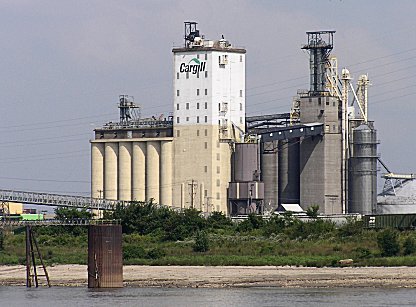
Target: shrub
409,246
218,220
252,222
1,240
363,253
156,253
201,242
276,224
131,251
313,211
388,242
351,228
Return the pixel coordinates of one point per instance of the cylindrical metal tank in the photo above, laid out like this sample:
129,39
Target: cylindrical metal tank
245,162
124,171
97,170
289,177
139,171
105,256
152,170
110,170
166,172
363,171
269,172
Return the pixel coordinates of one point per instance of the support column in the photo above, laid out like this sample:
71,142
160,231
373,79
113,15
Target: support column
124,171
110,171
105,256
166,170
139,171
153,170
97,170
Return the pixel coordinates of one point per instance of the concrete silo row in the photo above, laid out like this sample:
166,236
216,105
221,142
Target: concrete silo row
132,170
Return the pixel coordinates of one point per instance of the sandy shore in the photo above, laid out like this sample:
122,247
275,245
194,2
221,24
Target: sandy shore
230,276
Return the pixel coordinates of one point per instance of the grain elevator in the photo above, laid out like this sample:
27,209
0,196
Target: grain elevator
210,155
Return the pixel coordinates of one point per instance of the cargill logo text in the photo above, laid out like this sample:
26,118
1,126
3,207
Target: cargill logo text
193,68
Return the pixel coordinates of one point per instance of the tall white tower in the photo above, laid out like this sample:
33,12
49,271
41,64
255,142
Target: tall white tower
209,116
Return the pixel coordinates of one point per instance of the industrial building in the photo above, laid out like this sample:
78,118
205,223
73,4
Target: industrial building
210,155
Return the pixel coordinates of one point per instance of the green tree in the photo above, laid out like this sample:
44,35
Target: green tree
388,242
65,213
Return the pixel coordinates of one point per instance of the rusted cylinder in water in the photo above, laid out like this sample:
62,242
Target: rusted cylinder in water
105,256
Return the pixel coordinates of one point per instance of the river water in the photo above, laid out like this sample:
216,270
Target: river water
67,296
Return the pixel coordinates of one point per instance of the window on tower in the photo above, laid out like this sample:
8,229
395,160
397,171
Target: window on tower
177,106
206,119
206,91
187,105
187,75
206,57
206,74
197,105
177,92
206,105
241,107
177,120
177,75
197,91
197,119
241,93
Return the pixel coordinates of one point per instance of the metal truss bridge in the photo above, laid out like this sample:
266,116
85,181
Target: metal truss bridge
46,199
10,222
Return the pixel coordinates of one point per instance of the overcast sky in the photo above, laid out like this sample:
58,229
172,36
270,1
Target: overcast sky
64,63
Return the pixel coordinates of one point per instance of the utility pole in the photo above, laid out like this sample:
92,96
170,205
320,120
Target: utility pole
100,196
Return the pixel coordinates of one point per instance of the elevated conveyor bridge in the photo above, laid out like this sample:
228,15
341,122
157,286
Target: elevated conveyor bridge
56,200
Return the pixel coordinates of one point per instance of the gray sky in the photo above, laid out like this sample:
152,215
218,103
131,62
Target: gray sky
64,63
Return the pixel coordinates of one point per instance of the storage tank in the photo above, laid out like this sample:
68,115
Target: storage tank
110,170
363,171
124,171
269,173
245,162
289,183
